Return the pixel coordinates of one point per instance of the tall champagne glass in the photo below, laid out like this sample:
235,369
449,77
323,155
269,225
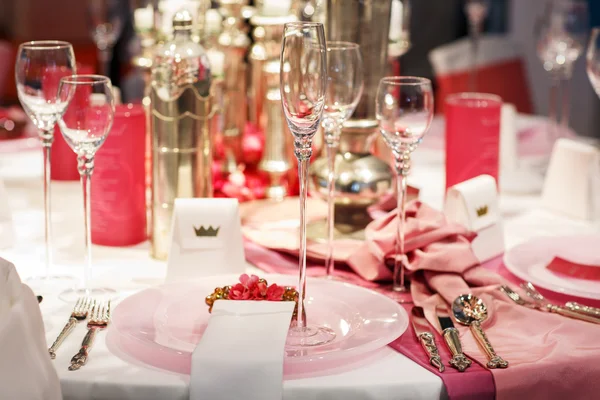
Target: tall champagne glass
561,39
593,60
344,88
106,24
303,81
85,123
404,111
38,69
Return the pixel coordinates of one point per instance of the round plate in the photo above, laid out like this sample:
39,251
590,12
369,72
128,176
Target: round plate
528,261
161,326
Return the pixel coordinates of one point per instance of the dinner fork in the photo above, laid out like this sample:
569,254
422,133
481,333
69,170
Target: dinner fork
99,319
516,297
564,311
79,313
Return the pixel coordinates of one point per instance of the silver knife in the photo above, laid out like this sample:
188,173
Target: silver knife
422,330
450,334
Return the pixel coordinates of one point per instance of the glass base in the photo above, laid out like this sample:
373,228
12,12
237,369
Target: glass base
333,278
49,282
309,336
99,294
400,294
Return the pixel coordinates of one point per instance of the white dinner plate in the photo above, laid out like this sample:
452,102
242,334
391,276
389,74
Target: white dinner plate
528,261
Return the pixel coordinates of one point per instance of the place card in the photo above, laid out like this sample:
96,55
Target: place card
242,350
206,239
474,204
7,232
572,185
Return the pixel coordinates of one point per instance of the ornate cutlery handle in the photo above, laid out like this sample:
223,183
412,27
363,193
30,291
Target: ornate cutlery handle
580,308
61,336
459,360
572,314
81,357
495,361
428,342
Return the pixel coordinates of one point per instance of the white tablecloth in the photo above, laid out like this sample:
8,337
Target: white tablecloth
112,375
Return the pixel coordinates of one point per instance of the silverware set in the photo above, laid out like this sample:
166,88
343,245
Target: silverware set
535,300
98,316
467,310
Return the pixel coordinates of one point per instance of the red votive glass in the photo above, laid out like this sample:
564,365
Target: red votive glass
472,136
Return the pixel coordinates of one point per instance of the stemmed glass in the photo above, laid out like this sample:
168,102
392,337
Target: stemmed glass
344,88
106,25
38,69
561,40
404,111
85,123
303,80
476,11
593,60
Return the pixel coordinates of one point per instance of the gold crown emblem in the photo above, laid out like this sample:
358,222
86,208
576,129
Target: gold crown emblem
481,211
203,232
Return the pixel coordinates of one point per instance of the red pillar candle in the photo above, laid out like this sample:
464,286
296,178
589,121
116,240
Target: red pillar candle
118,201
472,136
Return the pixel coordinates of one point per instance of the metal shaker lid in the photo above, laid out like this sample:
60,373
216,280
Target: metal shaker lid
182,20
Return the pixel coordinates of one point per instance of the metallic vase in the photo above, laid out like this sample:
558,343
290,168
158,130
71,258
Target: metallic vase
181,109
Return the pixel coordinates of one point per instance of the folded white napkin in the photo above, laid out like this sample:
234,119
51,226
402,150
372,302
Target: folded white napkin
26,372
241,353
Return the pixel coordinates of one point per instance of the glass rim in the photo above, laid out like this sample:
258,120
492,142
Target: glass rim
405,80
341,45
78,79
302,24
455,98
45,45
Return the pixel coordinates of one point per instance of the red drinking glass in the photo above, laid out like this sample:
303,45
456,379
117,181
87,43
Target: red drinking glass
472,136
118,200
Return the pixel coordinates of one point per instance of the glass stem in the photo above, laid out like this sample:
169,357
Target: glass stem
104,58
552,109
47,139
332,140
475,29
565,85
303,152
402,170
85,166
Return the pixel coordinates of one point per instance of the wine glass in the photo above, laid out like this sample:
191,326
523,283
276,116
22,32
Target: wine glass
106,25
85,122
303,80
38,69
593,60
476,11
561,39
344,88
404,111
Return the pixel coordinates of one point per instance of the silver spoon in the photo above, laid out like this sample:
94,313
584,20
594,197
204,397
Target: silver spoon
471,311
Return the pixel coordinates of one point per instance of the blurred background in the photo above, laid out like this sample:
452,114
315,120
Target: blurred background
433,23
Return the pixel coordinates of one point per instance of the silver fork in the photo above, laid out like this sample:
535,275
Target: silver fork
516,297
583,309
564,311
99,319
80,312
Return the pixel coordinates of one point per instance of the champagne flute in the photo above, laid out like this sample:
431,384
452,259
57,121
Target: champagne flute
303,80
85,122
476,11
38,69
593,60
561,40
106,23
344,88
404,111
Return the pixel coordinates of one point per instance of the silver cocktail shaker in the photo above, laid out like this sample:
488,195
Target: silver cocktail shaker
180,112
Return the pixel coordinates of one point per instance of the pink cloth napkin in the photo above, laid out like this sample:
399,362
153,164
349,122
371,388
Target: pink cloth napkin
550,356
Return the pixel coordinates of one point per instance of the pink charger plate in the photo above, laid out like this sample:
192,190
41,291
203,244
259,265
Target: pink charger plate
161,326
528,261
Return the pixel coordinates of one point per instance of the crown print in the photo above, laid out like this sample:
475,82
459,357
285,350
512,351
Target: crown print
203,232
481,211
